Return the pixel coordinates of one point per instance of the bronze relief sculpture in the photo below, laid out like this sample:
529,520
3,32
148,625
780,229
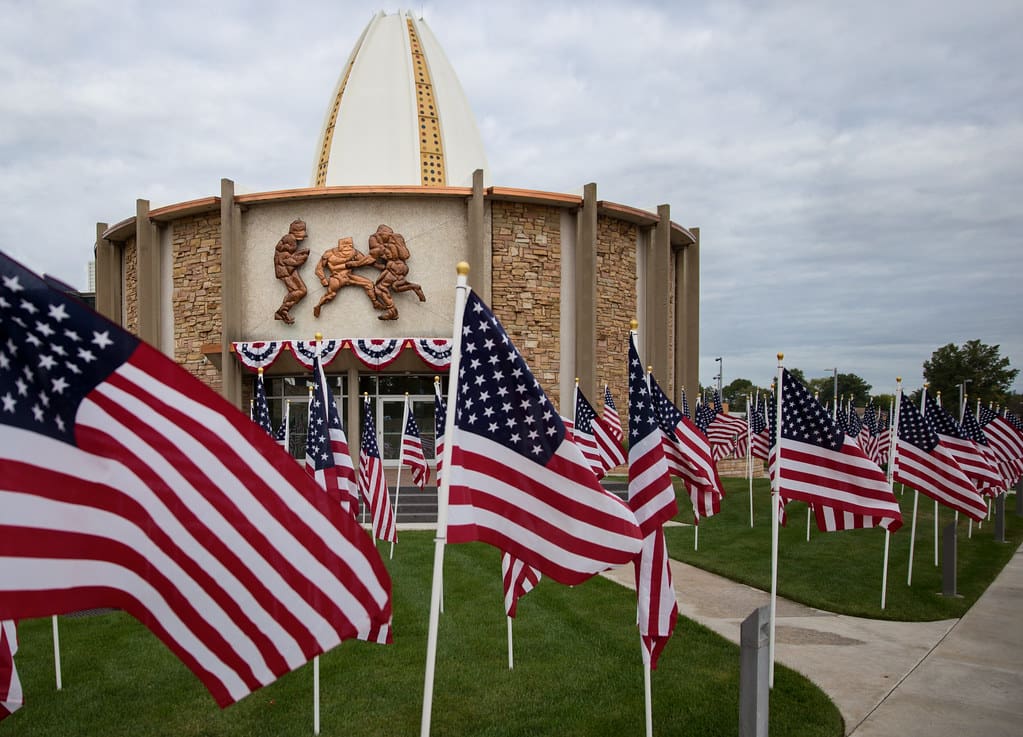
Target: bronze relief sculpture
334,270
287,258
390,253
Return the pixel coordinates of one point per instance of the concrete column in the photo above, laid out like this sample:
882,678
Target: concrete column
353,420
147,246
108,277
479,252
657,303
230,292
687,316
585,282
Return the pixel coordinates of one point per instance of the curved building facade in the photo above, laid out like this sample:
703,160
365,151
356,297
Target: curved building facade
366,257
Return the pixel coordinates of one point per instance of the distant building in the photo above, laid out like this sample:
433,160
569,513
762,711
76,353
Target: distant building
399,147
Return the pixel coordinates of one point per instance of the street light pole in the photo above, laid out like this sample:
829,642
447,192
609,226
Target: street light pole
720,373
834,404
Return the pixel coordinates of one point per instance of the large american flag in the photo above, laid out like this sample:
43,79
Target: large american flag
816,462
412,449
372,484
923,463
125,482
966,452
518,580
652,498
516,483
601,449
327,457
688,454
11,696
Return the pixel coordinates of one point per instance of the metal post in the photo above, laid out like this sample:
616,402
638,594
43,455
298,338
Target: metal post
1019,498
754,674
948,560
1000,518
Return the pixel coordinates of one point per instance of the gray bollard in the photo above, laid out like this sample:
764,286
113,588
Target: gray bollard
1000,518
948,560
754,673
1019,498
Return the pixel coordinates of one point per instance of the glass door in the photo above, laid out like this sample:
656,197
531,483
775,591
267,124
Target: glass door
390,416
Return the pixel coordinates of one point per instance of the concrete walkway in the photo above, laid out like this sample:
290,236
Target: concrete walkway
953,677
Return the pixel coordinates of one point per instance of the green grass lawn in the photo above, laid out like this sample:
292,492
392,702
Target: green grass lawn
841,571
577,671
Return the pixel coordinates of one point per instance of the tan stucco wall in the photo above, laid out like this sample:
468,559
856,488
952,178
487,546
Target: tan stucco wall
435,232
616,307
527,285
196,293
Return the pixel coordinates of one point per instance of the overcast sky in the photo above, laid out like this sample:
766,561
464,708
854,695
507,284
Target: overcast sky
856,169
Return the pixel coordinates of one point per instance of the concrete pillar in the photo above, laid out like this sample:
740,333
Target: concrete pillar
479,252
108,277
230,292
948,559
687,316
353,420
147,245
585,283
658,284
1000,518
1019,498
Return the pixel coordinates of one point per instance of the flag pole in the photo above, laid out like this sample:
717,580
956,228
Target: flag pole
887,533
316,695
923,412
648,702
401,462
775,501
511,649
287,425
56,652
749,453
461,290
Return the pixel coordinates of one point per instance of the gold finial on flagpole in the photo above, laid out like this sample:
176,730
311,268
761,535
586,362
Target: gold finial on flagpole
318,337
462,268
634,324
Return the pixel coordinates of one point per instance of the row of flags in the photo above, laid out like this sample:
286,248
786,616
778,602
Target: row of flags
127,483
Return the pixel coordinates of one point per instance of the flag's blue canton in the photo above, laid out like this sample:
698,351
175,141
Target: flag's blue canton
668,416
584,414
440,414
804,419
1013,420
870,420
54,350
642,409
842,421
685,404
318,440
279,435
987,416
411,428
772,415
941,420
607,398
914,427
757,422
855,423
260,408
971,429
718,408
369,432
704,416
498,397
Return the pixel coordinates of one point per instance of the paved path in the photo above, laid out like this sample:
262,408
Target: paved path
953,677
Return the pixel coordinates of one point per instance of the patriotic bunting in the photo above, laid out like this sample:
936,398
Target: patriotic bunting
306,351
434,352
377,354
259,355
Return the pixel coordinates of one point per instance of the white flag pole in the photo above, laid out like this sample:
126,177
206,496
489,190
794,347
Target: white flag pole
887,533
511,649
461,292
316,695
648,702
401,462
775,506
56,652
749,453
287,425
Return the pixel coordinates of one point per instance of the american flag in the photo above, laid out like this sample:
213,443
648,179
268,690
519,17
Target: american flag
612,421
966,452
652,498
923,463
685,405
761,433
372,484
11,696
281,435
518,579
869,431
688,454
327,457
972,430
854,423
515,481
412,449
125,482
599,446
440,418
883,443
260,407
723,430
1006,442
816,462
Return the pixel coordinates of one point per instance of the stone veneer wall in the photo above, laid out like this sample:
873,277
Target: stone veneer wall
616,307
527,285
130,255
195,298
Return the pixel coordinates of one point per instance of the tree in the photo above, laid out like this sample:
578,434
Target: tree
736,392
850,387
985,372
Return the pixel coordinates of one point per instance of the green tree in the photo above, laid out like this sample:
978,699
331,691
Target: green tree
850,386
735,394
987,374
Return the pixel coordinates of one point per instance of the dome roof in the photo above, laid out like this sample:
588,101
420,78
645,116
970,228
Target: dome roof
398,114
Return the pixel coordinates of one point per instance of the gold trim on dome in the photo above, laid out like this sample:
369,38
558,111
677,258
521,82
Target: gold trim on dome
328,131
431,147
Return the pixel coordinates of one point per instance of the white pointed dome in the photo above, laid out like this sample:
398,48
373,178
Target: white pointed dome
398,114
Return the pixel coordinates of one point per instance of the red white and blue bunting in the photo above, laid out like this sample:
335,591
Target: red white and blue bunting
374,353
259,355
